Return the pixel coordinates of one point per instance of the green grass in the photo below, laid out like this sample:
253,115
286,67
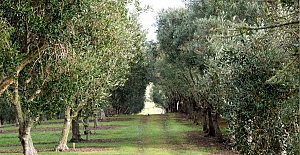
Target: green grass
155,134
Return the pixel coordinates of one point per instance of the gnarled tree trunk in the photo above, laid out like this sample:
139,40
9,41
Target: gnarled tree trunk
218,132
196,112
76,137
204,119
62,144
25,124
25,138
211,131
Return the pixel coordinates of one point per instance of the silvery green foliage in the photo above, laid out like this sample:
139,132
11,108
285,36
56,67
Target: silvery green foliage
88,50
250,67
256,108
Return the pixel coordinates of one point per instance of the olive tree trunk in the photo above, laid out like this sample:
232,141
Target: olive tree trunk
96,122
204,119
214,129
218,133
211,131
87,130
25,124
62,144
25,138
76,137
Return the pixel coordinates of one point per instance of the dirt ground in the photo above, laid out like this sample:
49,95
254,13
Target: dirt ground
200,139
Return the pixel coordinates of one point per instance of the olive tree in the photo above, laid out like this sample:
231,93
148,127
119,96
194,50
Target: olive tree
249,60
178,35
257,68
114,43
59,53
35,26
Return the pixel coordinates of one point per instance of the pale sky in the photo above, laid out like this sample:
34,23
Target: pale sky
148,18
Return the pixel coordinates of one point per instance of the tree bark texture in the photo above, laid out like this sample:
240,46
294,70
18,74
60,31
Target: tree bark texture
170,108
204,119
211,131
191,110
195,110
62,144
196,116
5,83
218,132
26,140
87,130
76,137
25,124
96,122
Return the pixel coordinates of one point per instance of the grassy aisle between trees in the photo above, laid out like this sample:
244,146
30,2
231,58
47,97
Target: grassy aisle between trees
134,134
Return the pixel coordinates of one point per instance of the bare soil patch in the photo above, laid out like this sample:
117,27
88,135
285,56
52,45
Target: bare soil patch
119,119
107,140
86,149
144,119
100,127
199,139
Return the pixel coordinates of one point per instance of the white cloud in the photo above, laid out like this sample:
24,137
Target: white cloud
148,19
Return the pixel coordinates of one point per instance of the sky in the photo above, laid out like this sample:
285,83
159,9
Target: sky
148,19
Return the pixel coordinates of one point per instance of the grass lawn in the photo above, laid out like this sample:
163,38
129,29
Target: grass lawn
132,134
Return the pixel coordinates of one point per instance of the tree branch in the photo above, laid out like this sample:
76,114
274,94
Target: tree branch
5,83
271,26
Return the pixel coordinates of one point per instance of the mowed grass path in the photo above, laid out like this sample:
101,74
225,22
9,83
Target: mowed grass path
133,134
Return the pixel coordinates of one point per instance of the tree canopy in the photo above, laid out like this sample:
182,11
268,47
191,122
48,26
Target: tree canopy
239,58
65,54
